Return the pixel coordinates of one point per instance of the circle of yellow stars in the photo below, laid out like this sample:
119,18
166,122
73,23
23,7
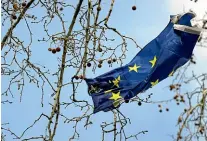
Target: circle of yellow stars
116,96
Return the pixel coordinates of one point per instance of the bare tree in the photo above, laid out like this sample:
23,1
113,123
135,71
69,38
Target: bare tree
80,40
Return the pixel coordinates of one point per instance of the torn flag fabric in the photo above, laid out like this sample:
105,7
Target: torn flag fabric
159,59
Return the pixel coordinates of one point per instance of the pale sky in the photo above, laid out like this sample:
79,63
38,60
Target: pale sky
150,18
200,7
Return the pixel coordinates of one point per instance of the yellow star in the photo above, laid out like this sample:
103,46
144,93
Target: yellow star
171,74
116,81
115,96
119,78
116,103
155,83
153,61
134,68
108,91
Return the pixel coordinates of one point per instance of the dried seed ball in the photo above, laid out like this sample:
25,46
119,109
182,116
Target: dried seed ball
197,124
185,110
179,85
100,61
181,96
182,100
100,49
15,6
172,87
81,77
176,96
160,110
24,4
49,49
114,60
167,109
88,64
99,8
179,119
61,8
139,103
201,131
159,106
53,51
99,65
76,77
180,137
109,61
58,49
134,7
14,17
126,101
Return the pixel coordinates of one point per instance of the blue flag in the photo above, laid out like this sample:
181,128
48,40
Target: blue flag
159,59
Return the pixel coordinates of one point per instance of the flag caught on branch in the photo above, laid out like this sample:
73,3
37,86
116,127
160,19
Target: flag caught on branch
159,59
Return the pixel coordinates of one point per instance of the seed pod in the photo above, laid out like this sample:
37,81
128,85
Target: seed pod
81,77
88,64
100,49
99,8
15,6
100,61
99,65
61,8
139,103
14,17
134,7
24,4
53,51
58,49
76,77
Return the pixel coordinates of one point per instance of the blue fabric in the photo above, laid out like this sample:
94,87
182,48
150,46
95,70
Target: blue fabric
170,50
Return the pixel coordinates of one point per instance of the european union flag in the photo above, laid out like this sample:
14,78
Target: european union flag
159,59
